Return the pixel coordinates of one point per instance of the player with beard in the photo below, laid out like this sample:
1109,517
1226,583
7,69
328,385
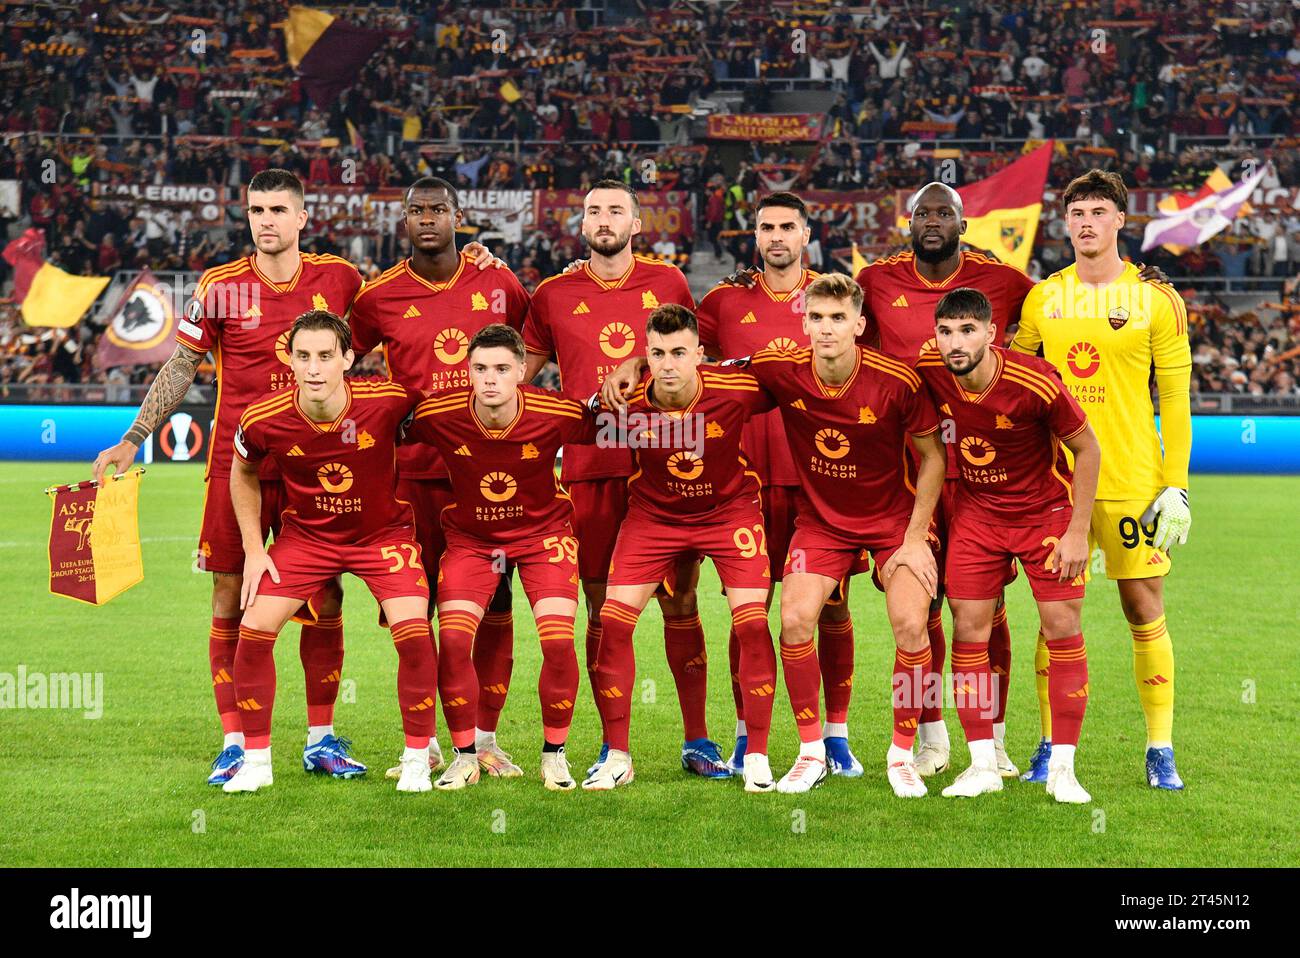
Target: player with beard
589,319
424,312
901,293
737,321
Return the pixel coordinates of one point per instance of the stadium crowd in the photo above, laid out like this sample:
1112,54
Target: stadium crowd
104,98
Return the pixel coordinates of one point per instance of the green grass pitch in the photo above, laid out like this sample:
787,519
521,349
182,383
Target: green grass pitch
128,789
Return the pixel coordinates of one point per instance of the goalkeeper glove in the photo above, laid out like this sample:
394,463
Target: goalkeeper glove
1175,517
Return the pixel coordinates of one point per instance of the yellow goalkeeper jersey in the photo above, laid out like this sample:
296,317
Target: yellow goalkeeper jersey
1104,341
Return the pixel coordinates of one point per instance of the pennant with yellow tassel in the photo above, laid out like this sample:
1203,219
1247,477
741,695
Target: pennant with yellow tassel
95,538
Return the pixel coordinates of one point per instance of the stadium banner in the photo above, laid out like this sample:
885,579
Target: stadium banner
871,212
349,209
207,203
95,538
767,127
667,215
498,214
143,327
1234,443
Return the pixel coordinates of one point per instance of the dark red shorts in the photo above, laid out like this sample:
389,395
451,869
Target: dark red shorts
815,550
941,525
599,506
390,566
221,548
778,519
648,550
978,554
471,569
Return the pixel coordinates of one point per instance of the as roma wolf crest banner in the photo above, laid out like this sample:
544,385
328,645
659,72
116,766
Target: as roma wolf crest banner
95,538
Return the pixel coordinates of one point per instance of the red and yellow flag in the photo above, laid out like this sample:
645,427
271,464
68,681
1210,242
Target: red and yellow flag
95,538
1002,210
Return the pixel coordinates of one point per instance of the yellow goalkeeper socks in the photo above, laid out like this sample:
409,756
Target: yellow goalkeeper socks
1041,662
1153,668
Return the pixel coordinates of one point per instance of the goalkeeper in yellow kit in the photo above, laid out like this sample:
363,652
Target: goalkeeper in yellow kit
1104,330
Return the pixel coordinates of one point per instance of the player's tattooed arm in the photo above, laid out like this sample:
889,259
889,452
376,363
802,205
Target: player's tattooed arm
164,398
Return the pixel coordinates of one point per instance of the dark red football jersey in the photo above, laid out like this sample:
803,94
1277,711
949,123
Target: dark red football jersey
589,326
504,480
243,319
736,322
689,465
1008,437
849,442
425,329
339,477
899,304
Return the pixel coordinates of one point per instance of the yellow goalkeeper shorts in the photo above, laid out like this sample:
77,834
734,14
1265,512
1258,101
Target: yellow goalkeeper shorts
1124,542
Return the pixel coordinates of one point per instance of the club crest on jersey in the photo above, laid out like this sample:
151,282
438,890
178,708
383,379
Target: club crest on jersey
529,451
478,302
648,300
318,302
1118,317
365,440
617,340
713,431
1003,422
865,416
451,346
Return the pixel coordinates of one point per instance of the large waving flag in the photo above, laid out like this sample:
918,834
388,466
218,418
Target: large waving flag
95,538
143,328
49,296
1002,210
1206,217
327,52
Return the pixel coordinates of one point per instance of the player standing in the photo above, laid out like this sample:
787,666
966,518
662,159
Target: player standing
587,320
900,293
242,312
734,321
1015,500
1104,329
847,411
334,441
500,439
423,312
692,495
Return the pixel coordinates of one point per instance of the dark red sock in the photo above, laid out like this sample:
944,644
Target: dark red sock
835,655
417,679
557,686
910,669
972,690
255,685
757,671
457,683
595,631
687,660
1067,687
493,664
803,684
320,648
223,639
733,662
616,672
932,710
1000,659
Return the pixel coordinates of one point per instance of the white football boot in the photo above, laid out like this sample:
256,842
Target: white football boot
758,774
255,773
616,770
976,780
555,772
